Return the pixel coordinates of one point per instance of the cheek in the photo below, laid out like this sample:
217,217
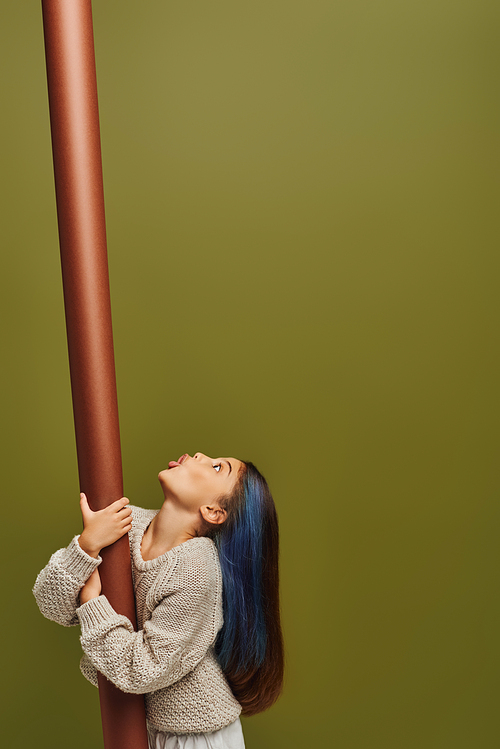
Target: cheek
181,487
195,491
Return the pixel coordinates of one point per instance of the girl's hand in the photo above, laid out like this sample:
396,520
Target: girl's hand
104,527
92,588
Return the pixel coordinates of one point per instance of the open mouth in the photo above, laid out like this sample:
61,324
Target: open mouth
174,463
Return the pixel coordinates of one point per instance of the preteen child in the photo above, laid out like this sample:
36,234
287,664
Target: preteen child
205,568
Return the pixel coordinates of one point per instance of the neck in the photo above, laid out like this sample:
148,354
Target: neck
171,527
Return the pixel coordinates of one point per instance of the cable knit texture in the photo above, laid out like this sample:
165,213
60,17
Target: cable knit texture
179,612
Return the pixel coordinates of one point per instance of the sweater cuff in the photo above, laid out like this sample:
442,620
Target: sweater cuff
95,612
77,562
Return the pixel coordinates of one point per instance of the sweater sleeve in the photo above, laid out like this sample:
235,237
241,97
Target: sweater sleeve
172,642
88,670
58,585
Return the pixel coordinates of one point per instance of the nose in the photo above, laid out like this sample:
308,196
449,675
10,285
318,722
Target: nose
199,456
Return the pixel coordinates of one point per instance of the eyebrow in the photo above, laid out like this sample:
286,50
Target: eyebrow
230,467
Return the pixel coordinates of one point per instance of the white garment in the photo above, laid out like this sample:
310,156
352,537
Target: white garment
229,737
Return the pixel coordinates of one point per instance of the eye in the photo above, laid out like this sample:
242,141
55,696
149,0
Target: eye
217,467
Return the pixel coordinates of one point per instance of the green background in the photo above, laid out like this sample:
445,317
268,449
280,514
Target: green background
302,206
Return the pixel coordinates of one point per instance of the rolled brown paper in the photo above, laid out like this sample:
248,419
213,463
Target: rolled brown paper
76,147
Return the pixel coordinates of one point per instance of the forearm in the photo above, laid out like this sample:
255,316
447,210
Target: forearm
137,662
57,586
88,546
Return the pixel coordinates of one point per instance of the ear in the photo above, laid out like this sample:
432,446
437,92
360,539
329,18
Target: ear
213,514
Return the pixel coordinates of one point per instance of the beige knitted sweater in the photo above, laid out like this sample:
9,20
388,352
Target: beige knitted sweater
179,612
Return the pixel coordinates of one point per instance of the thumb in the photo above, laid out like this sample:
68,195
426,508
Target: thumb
84,505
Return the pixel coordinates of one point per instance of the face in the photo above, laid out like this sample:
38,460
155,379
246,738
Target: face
199,480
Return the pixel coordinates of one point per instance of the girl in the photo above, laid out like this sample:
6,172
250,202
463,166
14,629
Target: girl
205,571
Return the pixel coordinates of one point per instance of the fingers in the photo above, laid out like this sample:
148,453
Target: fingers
124,514
125,528
118,506
120,503
118,512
